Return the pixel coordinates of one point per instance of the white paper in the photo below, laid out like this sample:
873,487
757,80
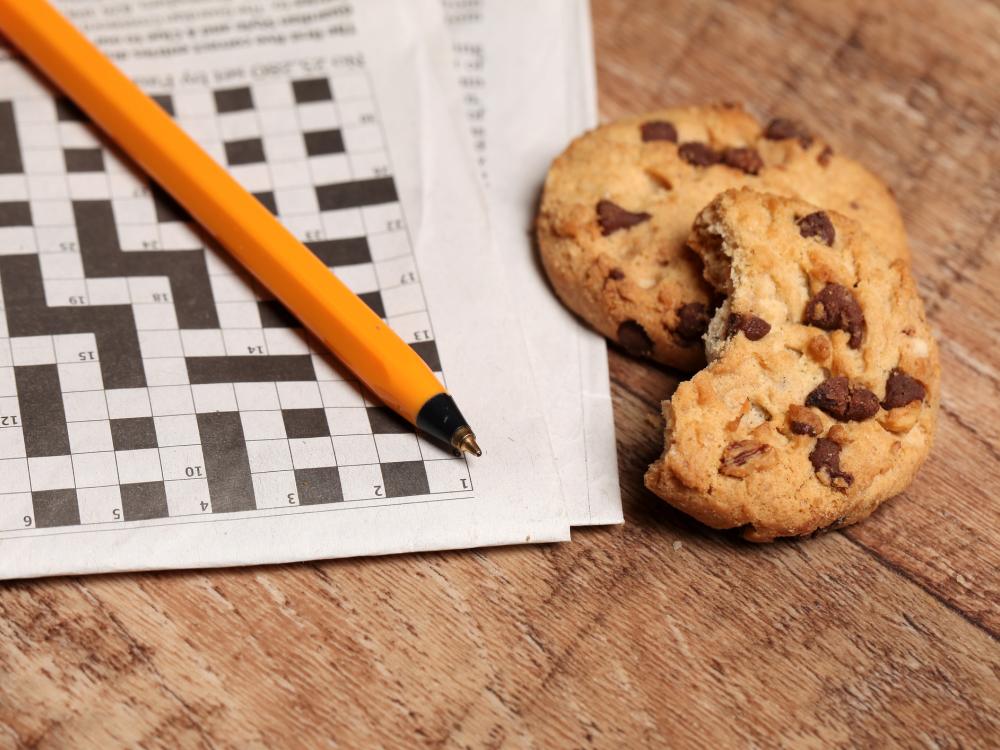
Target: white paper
130,484
527,74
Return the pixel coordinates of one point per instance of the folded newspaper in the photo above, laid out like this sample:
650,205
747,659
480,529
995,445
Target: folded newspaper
159,410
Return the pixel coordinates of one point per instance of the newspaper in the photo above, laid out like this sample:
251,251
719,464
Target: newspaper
529,88
157,409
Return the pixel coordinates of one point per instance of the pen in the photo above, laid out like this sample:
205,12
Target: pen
237,220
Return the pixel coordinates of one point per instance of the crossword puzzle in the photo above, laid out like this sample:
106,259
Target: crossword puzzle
144,376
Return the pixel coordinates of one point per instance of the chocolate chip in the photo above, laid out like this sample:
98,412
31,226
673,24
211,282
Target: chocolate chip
863,405
634,339
692,321
831,396
802,428
825,453
817,224
804,421
824,156
613,217
616,274
698,154
837,398
659,130
825,460
744,456
901,389
780,129
753,328
835,308
745,159
756,328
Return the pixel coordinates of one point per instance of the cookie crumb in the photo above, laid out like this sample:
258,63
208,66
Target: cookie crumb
819,349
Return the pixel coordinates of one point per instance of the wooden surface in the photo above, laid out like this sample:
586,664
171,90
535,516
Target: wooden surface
657,632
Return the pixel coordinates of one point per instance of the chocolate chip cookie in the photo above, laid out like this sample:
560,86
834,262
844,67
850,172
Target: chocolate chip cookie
820,398
619,202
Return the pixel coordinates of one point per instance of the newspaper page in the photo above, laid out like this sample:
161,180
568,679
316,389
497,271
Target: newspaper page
157,408
528,89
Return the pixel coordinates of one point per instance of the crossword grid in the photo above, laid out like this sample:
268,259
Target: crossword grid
142,375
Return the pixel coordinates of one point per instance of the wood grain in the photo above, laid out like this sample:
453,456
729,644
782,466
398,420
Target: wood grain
660,632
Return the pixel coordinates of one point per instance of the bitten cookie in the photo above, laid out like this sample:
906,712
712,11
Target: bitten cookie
821,394
618,205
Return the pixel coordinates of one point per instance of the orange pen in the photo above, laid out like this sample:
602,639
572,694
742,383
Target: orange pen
241,224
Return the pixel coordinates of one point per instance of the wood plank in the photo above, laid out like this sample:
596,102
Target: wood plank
660,632
624,637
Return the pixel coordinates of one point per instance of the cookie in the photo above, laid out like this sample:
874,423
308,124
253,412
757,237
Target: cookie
821,395
619,202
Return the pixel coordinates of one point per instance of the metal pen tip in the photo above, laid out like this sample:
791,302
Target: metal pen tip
469,445
464,441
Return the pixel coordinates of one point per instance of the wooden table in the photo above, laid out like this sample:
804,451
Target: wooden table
658,632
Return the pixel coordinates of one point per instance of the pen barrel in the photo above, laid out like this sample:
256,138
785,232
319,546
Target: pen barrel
240,223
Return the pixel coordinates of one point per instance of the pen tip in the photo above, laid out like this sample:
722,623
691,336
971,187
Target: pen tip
463,440
469,445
